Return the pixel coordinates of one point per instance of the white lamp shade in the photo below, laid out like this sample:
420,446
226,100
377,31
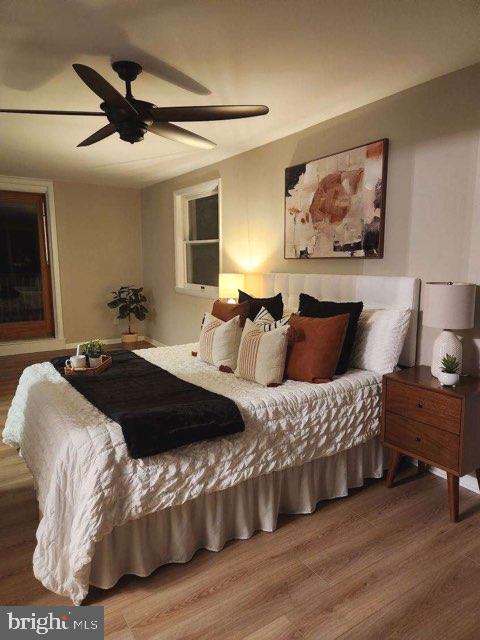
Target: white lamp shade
229,284
449,305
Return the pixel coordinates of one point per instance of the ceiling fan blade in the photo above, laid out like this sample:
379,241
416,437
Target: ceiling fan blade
104,89
172,132
213,112
54,113
102,133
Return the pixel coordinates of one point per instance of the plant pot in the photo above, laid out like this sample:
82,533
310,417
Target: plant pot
448,379
128,338
94,362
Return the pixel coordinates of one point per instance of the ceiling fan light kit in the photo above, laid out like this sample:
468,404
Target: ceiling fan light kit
132,118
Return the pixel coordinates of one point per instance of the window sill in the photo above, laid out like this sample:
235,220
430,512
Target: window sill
211,293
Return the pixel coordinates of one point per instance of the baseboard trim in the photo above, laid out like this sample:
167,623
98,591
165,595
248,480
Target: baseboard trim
56,344
117,340
155,343
32,346
467,482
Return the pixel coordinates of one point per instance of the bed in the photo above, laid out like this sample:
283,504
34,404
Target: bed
105,514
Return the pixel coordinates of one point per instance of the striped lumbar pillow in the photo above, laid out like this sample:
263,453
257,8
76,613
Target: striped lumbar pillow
266,322
261,357
219,342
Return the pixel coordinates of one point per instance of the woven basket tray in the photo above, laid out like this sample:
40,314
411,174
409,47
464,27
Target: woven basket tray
90,371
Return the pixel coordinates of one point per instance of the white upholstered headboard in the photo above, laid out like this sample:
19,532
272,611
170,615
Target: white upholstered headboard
376,292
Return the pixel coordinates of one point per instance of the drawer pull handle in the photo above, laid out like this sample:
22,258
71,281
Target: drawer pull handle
420,405
418,439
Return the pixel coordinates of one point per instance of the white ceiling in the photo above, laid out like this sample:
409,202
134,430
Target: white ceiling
308,60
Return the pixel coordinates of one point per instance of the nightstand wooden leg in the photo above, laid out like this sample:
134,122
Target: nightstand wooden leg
477,471
453,482
423,467
395,458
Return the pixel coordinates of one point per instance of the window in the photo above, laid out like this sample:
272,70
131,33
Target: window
197,239
26,308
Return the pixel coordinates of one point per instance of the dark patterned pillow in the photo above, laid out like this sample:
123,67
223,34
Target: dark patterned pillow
313,308
264,320
273,305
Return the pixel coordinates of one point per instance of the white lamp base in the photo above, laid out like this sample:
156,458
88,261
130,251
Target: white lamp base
446,343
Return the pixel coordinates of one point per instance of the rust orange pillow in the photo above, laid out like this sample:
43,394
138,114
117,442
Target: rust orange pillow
314,354
226,310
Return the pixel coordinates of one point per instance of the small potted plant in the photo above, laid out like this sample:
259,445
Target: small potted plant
129,302
449,376
93,349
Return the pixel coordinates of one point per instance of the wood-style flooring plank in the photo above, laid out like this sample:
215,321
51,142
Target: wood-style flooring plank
121,634
280,629
362,593
435,607
228,608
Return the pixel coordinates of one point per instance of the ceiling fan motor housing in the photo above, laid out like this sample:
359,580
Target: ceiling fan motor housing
127,70
130,129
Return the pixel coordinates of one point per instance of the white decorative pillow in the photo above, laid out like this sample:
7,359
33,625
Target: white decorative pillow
219,342
379,339
266,322
262,354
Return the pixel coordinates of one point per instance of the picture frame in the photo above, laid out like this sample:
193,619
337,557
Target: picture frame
335,204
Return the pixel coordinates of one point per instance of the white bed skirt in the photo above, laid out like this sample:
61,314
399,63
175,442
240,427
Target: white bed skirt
209,521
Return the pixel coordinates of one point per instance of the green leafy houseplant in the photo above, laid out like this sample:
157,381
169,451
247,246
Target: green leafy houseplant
450,364
92,348
129,302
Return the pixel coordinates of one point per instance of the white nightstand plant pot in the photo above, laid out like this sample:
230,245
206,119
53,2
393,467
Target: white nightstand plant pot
447,343
448,379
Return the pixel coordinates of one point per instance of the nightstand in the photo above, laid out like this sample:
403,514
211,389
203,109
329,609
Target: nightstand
436,425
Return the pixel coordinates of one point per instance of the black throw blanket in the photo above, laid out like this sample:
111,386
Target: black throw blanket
156,410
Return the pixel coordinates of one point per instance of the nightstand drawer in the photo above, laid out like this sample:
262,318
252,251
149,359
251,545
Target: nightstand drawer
438,446
430,407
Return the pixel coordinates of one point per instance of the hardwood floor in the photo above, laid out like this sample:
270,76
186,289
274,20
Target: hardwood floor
383,563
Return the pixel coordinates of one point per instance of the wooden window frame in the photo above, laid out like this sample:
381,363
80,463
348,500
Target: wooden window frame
44,328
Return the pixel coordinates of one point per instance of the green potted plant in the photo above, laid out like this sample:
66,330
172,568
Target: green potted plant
129,301
93,349
449,375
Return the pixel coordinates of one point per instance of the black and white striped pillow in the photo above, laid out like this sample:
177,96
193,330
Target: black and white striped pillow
265,321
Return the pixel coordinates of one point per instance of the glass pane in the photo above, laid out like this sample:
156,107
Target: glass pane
203,218
20,272
202,264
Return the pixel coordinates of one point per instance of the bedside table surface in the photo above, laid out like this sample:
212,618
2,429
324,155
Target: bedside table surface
422,377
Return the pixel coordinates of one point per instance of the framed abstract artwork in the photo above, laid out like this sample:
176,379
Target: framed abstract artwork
335,206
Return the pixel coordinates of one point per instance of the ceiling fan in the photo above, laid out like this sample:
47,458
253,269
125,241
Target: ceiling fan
132,118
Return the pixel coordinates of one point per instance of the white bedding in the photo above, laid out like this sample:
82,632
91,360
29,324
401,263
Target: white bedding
87,483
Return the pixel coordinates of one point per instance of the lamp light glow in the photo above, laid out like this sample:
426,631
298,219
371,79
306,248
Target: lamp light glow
229,284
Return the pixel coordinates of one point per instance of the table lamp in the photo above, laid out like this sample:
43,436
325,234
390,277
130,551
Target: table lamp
229,284
449,306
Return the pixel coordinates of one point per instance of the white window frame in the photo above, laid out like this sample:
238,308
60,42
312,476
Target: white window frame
181,199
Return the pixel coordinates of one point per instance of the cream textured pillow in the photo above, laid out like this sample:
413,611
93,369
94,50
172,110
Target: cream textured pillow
219,342
379,340
262,354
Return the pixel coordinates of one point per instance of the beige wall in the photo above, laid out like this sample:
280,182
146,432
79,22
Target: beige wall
99,247
433,201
